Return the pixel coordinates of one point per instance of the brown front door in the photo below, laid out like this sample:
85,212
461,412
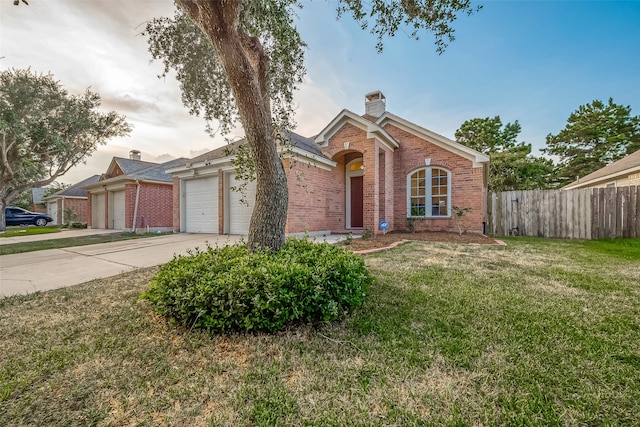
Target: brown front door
356,201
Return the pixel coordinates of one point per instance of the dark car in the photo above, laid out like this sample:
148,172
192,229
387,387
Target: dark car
19,216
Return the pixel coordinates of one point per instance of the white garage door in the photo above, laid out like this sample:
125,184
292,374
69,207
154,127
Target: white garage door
52,210
201,205
240,206
97,211
118,211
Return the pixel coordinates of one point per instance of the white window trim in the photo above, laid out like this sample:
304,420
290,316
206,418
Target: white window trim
428,194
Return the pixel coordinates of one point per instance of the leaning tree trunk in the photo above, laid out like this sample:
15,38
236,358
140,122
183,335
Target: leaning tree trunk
246,66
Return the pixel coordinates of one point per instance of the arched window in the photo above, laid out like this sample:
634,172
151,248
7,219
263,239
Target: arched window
429,193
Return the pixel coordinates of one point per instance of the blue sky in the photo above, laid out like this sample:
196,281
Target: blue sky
531,61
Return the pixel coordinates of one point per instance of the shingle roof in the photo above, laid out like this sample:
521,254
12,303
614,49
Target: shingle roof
617,167
299,141
157,171
76,190
37,194
130,166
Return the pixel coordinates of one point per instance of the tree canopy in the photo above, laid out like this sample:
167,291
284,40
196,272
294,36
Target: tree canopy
241,60
512,167
45,131
596,134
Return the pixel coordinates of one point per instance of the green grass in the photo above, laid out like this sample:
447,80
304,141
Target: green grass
29,231
16,248
539,332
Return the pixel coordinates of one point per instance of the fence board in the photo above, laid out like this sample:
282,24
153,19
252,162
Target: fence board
571,214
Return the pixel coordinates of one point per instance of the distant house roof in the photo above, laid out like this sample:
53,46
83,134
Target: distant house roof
137,170
75,190
157,172
624,166
129,166
37,194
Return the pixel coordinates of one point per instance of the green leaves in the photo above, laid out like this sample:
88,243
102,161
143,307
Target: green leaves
45,130
229,289
512,167
385,18
596,134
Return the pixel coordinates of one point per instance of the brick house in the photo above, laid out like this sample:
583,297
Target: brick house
359,171
73,199
132,195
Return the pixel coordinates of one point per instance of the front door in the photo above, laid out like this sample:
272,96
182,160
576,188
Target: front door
356,202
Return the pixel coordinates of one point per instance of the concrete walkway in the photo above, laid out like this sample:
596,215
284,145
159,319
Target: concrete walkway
57,268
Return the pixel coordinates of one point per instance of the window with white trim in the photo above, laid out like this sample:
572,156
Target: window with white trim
429,193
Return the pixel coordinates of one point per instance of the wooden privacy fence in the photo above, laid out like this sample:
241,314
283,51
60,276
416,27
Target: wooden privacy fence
592,213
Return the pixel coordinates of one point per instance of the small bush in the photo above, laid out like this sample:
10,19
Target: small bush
230,289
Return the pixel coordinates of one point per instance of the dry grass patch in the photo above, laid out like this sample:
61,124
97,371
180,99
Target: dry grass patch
530,334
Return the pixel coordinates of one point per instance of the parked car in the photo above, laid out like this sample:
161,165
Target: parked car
19,216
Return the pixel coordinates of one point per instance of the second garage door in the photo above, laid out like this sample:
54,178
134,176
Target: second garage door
201,205
97,211
239,211
118,210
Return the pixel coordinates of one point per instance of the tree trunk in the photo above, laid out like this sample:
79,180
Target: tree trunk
246,65
3,219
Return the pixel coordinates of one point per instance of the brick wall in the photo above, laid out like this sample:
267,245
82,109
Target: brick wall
155,205
466,182
79,206
176,204
316,198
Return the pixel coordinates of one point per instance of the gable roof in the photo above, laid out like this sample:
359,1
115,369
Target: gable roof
442,141
623,166
374,126
373,129
155,172
127,166
75,190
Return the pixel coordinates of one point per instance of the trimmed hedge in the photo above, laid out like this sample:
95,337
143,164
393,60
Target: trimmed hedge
230,289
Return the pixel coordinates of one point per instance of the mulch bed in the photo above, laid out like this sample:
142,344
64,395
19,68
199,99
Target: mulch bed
384,240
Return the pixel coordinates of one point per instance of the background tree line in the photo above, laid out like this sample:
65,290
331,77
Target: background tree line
596,135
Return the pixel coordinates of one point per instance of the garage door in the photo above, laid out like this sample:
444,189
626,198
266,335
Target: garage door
117,210
52,211
240,211
97,211
201,205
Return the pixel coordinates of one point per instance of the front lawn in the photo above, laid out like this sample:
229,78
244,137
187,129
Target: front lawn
539,332
29,231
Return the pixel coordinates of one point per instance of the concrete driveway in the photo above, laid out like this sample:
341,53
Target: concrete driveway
57,268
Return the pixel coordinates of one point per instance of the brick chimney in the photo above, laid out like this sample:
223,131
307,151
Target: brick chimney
134,155
375,103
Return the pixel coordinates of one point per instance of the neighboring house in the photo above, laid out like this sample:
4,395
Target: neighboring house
621,173
357,172
133,195
73,199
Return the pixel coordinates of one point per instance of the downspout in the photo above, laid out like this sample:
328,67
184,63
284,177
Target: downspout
62,213
135,209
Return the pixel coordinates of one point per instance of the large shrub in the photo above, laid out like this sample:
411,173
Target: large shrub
230,289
